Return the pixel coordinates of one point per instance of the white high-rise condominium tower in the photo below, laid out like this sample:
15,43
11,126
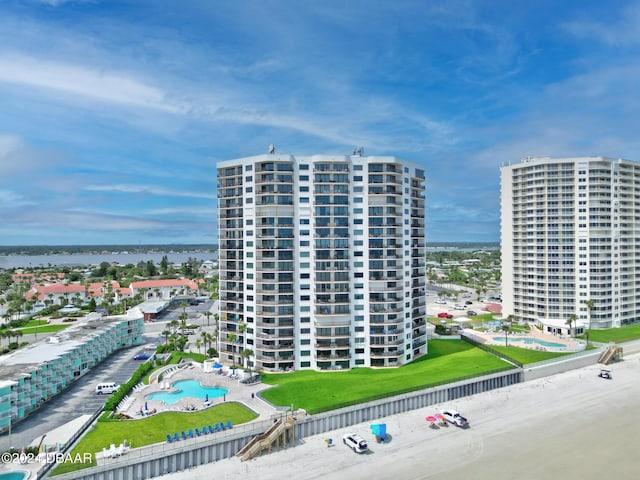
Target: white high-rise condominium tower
322,261
571,241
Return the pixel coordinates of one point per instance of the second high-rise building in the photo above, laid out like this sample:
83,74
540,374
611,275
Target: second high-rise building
322,261
571,242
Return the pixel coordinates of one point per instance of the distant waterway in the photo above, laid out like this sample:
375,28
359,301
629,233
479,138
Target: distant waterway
123,258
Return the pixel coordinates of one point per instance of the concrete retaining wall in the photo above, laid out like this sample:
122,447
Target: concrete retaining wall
160,459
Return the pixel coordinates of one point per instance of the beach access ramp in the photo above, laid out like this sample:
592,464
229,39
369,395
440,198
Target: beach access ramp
281,432
612,353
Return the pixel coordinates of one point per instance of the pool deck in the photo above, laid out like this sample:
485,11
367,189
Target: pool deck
568,344
237,392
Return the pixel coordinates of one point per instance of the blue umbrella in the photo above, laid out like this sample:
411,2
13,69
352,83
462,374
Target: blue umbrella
206,397
145,406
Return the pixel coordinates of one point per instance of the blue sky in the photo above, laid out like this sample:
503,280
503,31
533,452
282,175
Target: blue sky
113,114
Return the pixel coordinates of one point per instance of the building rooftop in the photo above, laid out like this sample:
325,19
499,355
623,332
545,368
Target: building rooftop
25,359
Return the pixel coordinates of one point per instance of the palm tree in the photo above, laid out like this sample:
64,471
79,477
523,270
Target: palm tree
208,315
206,339
166,334
173,325
18,334
589,304
198,344
506,329
174,338
183,320
572,319
245,354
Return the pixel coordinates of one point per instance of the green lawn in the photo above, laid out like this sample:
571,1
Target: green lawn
153,429
44,328
316,392
36,323
526,355
617,335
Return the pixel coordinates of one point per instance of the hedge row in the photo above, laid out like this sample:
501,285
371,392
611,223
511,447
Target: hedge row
136,378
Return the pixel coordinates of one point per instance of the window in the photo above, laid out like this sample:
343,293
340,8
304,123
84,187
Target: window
357,168
304,178
304,166
304,189
357,178
248,168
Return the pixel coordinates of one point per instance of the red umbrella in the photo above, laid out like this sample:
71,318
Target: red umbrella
431,418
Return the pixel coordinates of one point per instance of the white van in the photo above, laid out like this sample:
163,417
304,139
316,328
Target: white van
106,388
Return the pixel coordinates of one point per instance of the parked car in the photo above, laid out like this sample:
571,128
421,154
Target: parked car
441,301
444,315
355,442
106,388
142,356
458,307
471,313
454,417
468,302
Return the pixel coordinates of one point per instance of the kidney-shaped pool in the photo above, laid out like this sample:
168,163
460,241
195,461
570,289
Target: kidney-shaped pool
187,388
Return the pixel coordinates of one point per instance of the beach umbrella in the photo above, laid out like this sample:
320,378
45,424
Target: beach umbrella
432,420
206,397
145,406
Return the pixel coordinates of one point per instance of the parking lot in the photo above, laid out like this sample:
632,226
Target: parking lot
77,400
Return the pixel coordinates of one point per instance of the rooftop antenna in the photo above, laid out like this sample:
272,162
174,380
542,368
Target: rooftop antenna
272,149
359,151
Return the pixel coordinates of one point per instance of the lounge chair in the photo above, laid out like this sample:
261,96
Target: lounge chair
222,427
204,429
229,424
176,437
190,433
197,432
169,438
217,427
211,430
184,435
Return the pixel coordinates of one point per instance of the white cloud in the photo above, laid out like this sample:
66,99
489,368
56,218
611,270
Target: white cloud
124,188
84,81
9,198
9,144
624,32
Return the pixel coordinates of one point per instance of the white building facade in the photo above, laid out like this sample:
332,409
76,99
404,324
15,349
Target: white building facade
322,261
570,241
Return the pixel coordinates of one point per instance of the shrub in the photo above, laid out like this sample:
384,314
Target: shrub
136,378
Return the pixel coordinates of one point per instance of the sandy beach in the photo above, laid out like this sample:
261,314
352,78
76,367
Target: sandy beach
569,426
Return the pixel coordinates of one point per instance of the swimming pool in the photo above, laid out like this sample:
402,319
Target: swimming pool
14,476
187,388
531,341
